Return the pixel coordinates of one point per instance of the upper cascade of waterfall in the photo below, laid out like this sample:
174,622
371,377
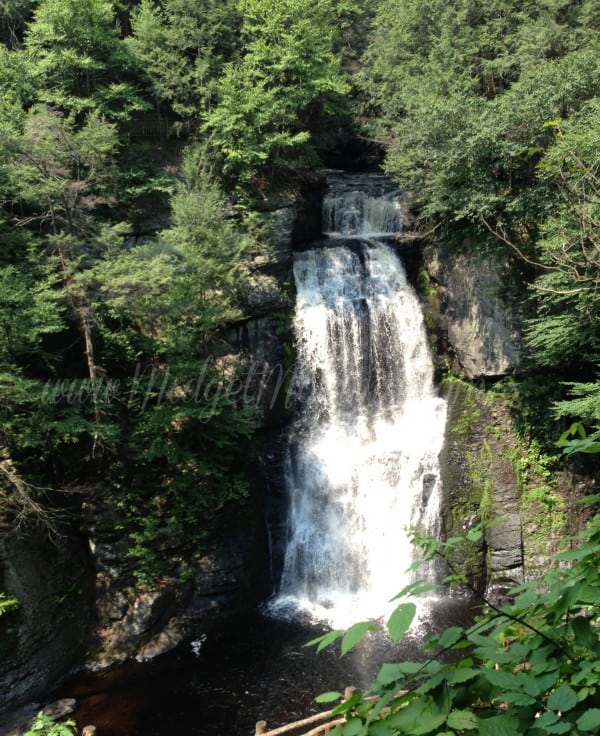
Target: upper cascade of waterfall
365,205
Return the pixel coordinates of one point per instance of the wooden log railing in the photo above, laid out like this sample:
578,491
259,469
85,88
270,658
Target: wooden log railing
326,715
331,721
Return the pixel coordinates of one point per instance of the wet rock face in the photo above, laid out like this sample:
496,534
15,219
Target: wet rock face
233,574
481,484
187,600
53,583
479,310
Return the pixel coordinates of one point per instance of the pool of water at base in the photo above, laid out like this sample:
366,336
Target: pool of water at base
254,668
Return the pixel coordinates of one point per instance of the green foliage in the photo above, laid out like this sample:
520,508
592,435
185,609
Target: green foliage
182,47
489,117
526,668
8,603
208,247
80,60
110,369
575,439
288,76
45,726
187,422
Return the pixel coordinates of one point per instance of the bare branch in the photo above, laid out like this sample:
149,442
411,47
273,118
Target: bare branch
19,503
501,235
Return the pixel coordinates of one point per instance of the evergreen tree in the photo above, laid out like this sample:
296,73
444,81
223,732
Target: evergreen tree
288,78
182,47
80,60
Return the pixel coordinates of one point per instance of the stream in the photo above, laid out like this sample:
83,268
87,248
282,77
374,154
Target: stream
255,668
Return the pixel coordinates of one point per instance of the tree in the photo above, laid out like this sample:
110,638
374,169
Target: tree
13,17
61,174
288,78
81,62
188,423
182,47
488,118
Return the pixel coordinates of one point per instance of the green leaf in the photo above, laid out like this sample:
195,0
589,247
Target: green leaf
547,719
474,535
328,697
462,720
585,635
382,728
416,589
355,634
501,679
504,725
462,674
400,620
393,672
324,640
562,699
590,720
450,636
428,722
560,727
353,727
517,698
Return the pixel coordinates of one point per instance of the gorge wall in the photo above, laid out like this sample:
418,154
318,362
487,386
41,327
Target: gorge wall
473,308
78,595
492,471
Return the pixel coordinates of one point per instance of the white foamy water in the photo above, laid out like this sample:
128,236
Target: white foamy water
362,463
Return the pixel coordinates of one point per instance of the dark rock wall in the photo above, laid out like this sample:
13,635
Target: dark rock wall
53,582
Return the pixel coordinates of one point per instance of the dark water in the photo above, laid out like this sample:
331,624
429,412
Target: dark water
256,668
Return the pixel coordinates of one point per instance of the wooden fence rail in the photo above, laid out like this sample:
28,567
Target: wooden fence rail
261,726
327,715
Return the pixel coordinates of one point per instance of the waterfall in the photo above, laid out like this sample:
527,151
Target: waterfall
362,460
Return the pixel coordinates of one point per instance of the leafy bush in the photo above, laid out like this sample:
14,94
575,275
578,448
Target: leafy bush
532,667
45,726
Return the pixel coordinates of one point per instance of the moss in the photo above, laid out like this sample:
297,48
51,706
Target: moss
464,404
467,479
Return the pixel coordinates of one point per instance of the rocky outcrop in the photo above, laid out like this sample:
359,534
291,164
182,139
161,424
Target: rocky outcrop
491,475
479,309
193,594
133,622
481,484
52,580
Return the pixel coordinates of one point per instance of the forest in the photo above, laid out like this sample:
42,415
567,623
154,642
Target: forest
486,113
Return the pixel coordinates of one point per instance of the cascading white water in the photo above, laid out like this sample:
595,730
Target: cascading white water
362,463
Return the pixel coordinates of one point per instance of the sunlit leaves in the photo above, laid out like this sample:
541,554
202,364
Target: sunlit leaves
355,634
77,53
325,640
289,67
400,620
329,697
531,667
